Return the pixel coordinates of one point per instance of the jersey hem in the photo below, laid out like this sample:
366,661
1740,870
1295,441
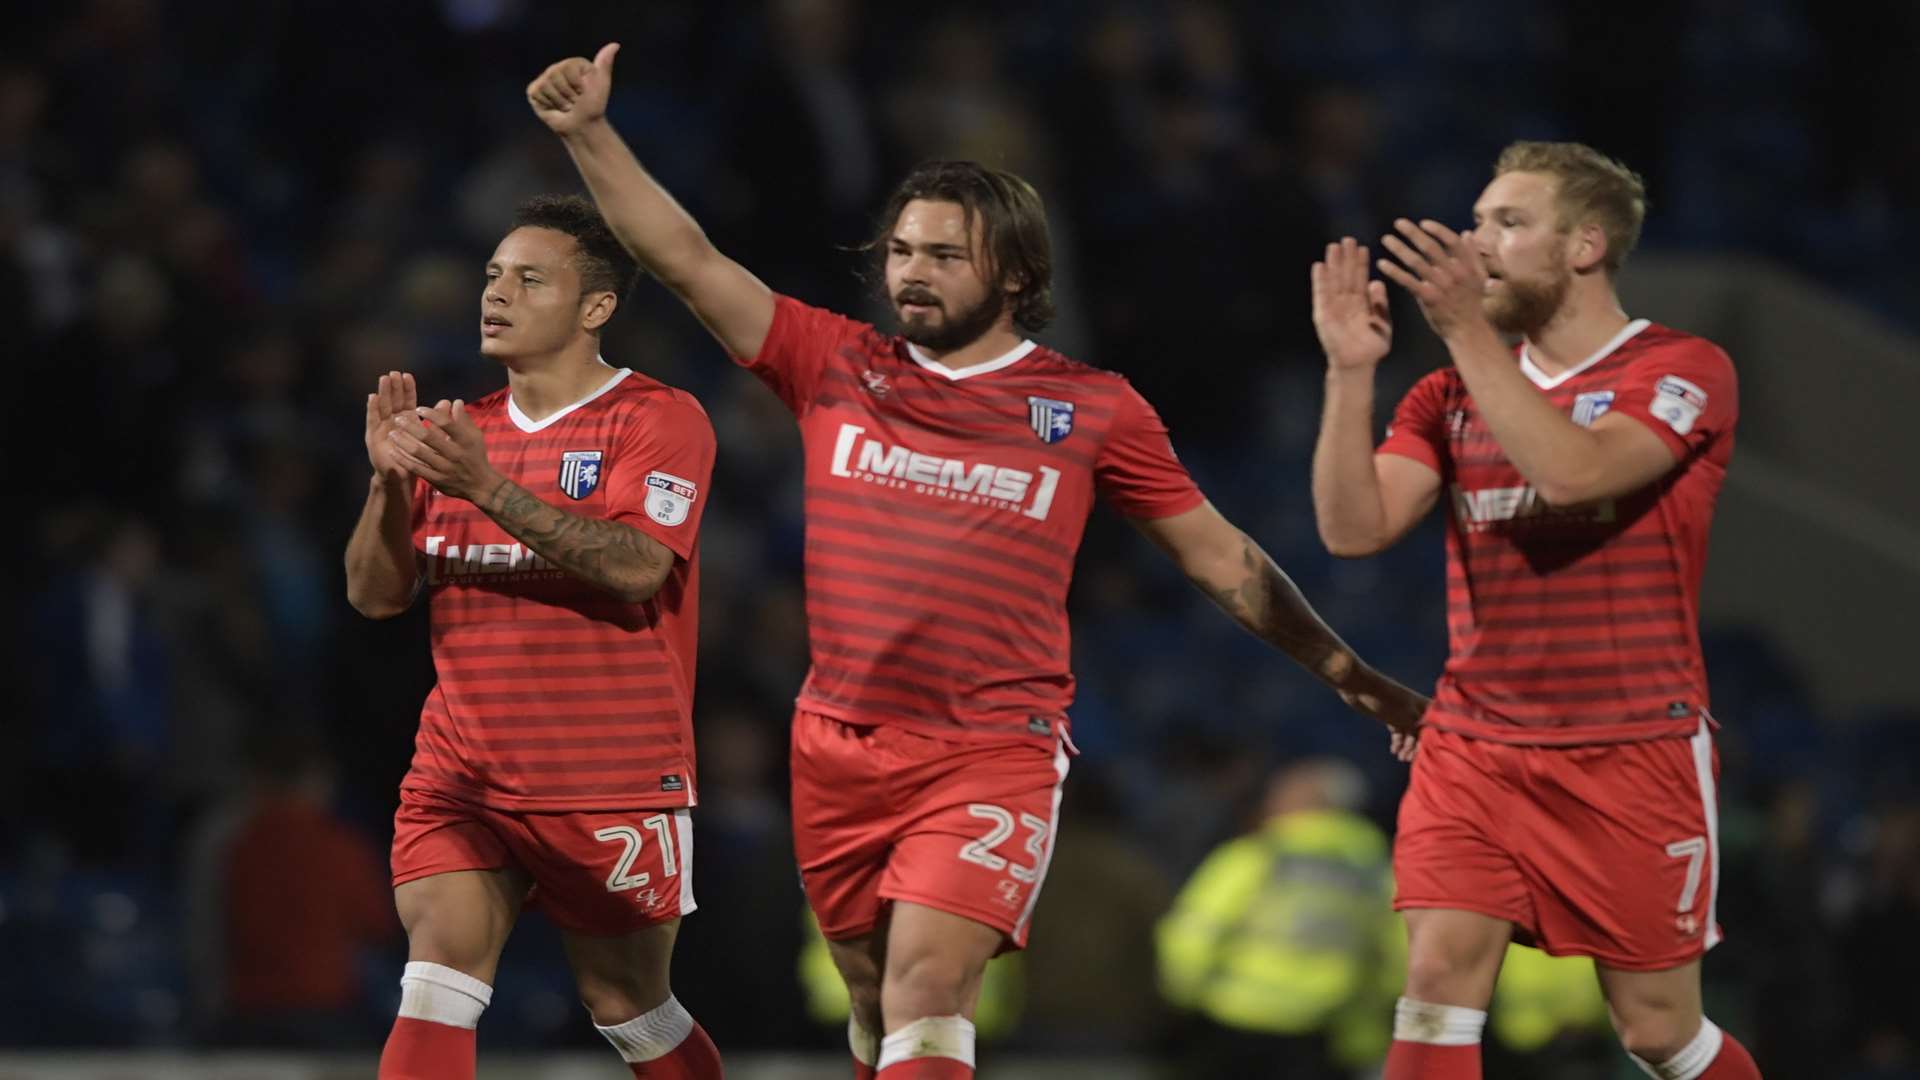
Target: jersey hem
537,804
1585,735
1056,725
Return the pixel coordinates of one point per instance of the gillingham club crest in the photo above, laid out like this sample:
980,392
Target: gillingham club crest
579,472
1051,420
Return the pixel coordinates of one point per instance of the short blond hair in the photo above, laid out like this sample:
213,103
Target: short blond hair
1594,189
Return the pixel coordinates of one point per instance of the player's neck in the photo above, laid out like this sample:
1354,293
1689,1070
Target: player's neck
992,345
1582,325
542,386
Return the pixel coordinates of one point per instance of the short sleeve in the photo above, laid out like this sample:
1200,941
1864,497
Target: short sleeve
1137,470
662,463
799,345
1419,428
1685,392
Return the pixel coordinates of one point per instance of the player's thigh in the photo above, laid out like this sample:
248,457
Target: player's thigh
1655,1012
624,976
862,961
607,874
1624,855
934,962
456,887
1453,956
980,836
461,919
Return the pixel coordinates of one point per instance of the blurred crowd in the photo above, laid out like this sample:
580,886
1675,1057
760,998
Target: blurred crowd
219,222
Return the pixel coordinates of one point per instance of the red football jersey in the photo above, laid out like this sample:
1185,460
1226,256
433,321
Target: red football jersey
944,509
554,694
1580,623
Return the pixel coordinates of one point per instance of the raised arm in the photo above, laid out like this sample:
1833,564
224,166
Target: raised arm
570,97
1245,583
382,572
1362,502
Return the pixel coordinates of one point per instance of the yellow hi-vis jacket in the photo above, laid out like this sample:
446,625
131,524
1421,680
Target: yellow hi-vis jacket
1541,997
1291,930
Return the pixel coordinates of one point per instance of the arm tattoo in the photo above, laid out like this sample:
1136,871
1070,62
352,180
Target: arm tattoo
615,557
1267,602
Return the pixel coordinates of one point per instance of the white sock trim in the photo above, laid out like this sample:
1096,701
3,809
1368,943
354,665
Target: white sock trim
1693,1058
1437,1025
651,1035
927,1037
864,1044
440,995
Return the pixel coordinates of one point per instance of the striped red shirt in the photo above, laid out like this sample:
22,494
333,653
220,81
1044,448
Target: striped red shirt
1578,624
553,694
944,509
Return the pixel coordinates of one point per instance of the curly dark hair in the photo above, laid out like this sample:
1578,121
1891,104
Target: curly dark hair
1014,236
604,265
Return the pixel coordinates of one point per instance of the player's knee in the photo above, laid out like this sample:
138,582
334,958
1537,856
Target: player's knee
458,944
1446,977
615,998
1653,1034
931,984
865,1003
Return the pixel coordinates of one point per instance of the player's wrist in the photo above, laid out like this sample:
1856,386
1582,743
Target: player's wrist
1343,375
585,131
1473,338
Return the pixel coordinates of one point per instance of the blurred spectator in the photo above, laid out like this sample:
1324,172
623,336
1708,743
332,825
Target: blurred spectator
288,898
1880,951
102,690
1280,943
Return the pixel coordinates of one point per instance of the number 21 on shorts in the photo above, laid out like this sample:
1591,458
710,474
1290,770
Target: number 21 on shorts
623,876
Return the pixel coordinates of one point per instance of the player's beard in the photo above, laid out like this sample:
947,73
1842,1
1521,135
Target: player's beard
1525,307
958,329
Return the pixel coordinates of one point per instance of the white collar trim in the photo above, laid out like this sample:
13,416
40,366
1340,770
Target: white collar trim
1547,382
1007,359
521,421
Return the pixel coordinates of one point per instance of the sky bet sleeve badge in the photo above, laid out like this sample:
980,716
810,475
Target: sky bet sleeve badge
669,498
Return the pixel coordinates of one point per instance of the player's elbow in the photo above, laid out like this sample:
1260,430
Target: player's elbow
1346,545
1573,488
643,586
377,607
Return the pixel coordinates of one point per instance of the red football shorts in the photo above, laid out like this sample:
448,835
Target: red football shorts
600,873
884,813
1610,851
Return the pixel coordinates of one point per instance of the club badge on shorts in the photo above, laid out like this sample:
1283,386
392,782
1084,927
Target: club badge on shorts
669,498
579,472
1051,420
